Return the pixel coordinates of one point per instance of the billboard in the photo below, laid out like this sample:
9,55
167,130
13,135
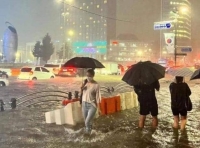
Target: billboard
97,47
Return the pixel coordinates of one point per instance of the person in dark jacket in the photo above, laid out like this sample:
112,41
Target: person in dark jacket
179,91
148,102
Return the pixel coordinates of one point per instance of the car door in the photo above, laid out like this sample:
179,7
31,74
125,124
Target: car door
38,73
45,73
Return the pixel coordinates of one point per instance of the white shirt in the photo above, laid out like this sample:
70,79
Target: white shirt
91,93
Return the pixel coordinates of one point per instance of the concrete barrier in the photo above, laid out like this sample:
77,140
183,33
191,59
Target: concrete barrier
123,101
71,114
50,117
128,100
60,116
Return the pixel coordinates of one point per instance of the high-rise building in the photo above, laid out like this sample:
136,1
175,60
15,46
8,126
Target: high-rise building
88,25
178,11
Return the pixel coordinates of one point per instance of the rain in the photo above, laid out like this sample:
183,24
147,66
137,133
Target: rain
99,73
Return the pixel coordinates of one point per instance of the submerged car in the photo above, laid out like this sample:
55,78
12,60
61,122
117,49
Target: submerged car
4,82
35,73
3,74
55,68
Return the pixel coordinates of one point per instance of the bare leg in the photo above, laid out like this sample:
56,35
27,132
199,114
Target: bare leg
176,122
142,120
183,122
155,122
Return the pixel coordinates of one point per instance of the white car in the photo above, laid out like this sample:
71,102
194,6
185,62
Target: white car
4,82
35,73
55,68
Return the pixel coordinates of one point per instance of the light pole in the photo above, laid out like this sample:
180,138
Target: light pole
64,29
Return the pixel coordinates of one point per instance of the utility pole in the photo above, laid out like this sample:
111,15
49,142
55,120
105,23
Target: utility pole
175,40
64,29
161,13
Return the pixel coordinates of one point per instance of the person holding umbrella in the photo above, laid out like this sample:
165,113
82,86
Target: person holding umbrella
148,102
180,92
144,77
91,99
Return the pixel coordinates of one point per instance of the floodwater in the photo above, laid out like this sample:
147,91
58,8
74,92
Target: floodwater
26,128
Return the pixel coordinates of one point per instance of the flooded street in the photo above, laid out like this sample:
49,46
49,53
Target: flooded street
26,128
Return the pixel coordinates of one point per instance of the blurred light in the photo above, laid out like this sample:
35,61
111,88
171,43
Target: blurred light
184,10
140,53
71,32
17,54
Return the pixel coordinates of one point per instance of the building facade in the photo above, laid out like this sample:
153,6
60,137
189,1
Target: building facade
179,12
130,51
88,22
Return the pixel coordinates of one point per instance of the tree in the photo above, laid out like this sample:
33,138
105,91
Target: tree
67,52
47,48
37,52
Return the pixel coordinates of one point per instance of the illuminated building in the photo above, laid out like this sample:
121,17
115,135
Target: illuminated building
179,10
130,51
89,22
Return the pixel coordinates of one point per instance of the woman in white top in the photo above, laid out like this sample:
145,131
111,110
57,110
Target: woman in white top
90,100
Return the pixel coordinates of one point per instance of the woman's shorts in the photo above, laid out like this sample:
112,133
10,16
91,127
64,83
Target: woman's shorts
177,112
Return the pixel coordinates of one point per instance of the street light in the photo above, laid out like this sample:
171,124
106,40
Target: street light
71,32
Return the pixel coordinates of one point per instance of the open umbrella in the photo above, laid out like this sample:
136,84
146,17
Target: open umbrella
83,62
143,72
182,72
196,75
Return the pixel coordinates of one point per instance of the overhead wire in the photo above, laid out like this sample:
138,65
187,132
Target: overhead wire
127,21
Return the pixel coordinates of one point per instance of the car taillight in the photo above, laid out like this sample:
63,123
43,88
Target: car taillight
31,73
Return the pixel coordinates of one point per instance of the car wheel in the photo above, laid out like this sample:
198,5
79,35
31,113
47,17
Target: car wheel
52,77
2,84
34,78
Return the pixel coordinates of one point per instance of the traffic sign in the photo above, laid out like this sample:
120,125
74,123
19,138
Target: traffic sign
181,54
162,25
186,49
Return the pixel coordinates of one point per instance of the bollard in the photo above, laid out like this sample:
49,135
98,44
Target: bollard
76,94
70,95
13,103
2,105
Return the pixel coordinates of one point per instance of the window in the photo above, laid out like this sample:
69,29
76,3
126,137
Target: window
26,69
44,69
51,65
37,68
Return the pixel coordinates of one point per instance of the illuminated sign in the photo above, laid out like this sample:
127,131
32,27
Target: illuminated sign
90,47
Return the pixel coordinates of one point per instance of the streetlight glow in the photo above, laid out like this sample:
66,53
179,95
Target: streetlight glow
183,10
71,32
140,53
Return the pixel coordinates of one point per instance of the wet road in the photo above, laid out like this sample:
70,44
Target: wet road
26,128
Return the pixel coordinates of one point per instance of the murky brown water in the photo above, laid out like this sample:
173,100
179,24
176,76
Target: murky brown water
26,128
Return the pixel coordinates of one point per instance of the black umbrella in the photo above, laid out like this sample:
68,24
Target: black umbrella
196,75
143,72
83,62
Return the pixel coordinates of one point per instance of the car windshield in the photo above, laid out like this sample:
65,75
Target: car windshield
26,69
51,65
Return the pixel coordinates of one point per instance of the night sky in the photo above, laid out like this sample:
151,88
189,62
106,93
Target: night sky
34,18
